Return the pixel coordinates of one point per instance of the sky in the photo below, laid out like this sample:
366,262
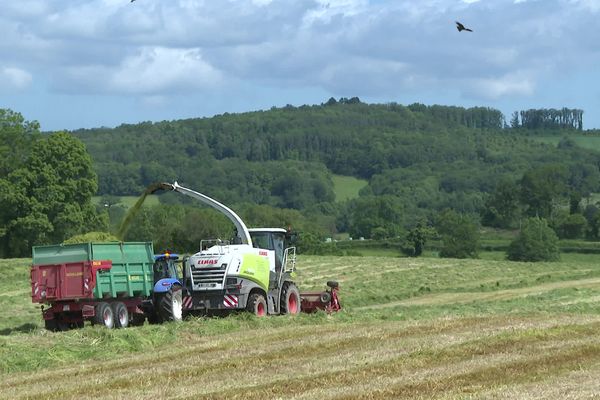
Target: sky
72,64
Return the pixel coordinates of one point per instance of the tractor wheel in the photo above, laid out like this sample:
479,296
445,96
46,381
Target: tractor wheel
170,305
104,315
290,299
257,305
121,314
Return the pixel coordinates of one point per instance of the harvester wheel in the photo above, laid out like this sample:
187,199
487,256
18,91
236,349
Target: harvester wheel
290,299
121,315
170,305
104,315
257,305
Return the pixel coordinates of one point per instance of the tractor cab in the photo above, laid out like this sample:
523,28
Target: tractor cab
165,266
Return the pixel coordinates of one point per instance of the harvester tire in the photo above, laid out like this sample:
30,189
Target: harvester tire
257,305
121,315
104,315
290,299
170,305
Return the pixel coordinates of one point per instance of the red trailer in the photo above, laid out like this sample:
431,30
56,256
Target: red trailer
106,283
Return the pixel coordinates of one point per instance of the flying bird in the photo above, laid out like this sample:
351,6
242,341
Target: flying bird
461,27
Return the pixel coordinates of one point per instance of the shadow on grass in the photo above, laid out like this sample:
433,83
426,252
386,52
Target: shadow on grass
25,328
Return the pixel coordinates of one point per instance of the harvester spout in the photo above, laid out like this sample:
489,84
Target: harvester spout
242,231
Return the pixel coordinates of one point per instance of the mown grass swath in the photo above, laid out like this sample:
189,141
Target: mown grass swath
411,328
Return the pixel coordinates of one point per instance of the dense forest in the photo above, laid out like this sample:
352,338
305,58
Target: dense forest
275,167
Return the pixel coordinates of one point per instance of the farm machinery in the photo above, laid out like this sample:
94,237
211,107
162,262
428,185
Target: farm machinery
254,271
123,283
112,284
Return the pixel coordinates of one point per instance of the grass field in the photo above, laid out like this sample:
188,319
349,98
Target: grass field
587,142
425,328
347,187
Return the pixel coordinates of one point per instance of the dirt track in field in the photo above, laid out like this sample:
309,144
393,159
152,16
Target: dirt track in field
449,358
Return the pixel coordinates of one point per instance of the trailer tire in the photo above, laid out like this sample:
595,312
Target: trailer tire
121,315
104,315
290,299
257,305
170,305
51,325
62,326
137,319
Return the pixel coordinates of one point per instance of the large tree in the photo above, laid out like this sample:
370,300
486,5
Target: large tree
536,242
542,187
459,233
48,199
16,137
502,206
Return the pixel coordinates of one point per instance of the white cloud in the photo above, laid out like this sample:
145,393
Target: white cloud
517,84
12,78
151,71
591,5
374,48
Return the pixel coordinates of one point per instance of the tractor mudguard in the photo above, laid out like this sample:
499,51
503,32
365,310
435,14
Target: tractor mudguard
163,285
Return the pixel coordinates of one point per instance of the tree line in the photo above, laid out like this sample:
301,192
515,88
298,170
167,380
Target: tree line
565,118
420,161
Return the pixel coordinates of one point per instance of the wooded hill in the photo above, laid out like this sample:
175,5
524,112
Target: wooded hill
432,157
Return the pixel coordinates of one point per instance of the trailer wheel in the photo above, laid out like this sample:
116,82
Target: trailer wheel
51,325
121,315
257,305
137,319
171,305
62,326
104,315
290,299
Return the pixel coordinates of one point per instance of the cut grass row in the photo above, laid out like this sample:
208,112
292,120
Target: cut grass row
411,328
446,357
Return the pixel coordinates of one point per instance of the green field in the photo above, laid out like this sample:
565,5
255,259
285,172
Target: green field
587,142
347,187
424,328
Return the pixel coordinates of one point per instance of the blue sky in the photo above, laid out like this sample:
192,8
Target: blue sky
88,63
